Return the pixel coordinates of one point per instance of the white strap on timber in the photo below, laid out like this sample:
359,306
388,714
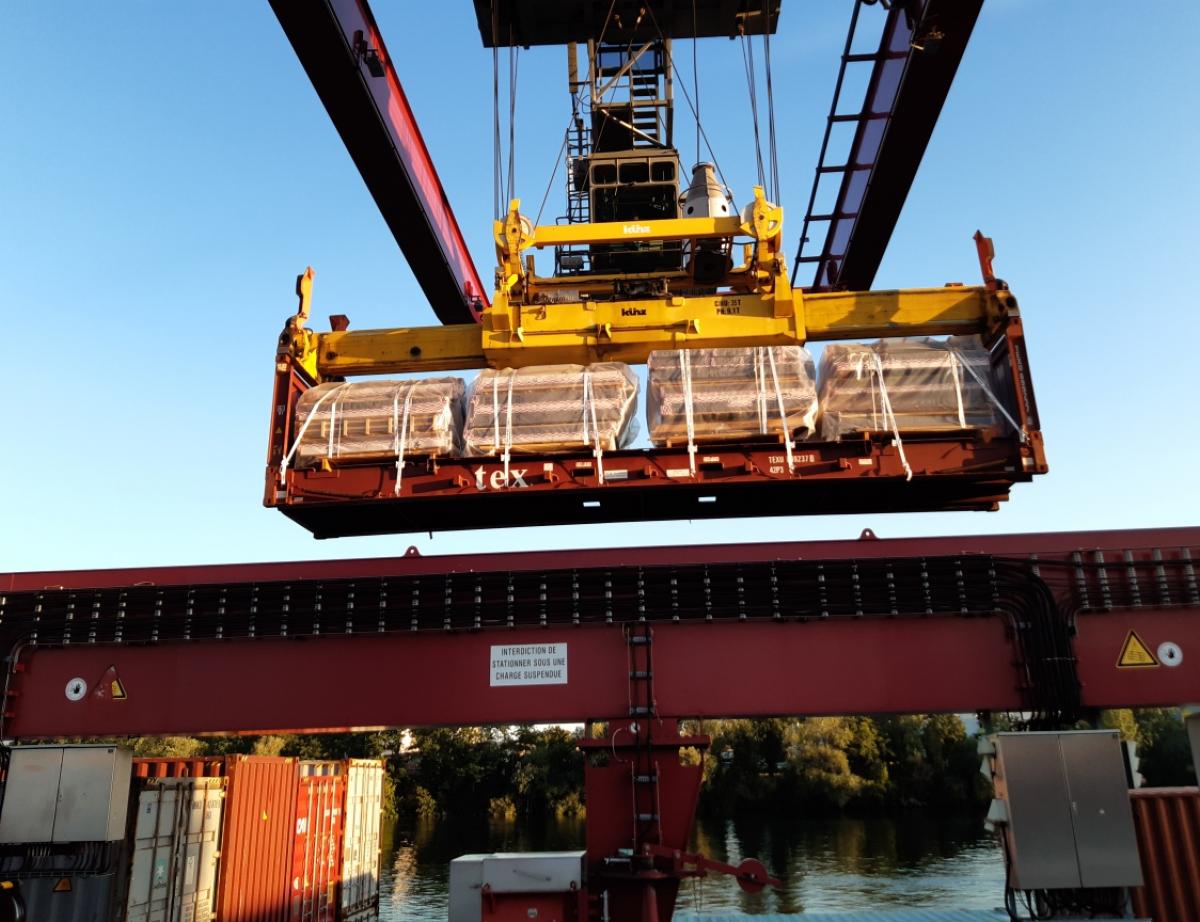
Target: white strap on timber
685,369
331,451
956,374
508,415
760,392
312,414
987,392
788,444
496,411
886,403
589,415
400,427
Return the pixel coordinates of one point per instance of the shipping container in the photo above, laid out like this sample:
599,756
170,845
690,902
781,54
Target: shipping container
317,852
174,767
256,855
176,843
360,839
1168,830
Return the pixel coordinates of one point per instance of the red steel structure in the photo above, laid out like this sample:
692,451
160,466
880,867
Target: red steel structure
634,639
344,56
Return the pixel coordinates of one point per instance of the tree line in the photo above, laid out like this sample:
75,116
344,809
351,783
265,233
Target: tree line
815,766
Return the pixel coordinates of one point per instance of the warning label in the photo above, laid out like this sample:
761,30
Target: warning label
529,664
1135,654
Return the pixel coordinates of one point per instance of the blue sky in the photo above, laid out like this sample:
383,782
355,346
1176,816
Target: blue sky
166,169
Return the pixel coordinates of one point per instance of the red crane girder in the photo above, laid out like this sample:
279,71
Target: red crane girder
919,51
343,53
868,626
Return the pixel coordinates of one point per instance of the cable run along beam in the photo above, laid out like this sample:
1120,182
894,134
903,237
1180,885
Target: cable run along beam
912,70
1030,623
339,45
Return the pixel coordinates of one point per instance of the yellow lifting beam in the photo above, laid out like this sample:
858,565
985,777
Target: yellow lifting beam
695,323
550,321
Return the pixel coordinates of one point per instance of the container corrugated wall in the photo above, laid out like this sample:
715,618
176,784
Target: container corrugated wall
256,857
360,839
176,840
1168,832
173,767
317,850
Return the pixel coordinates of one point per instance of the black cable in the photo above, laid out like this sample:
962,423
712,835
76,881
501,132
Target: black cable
695,76
748,60
513,57
772,147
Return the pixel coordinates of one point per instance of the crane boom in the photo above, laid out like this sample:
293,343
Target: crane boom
340,47
919,52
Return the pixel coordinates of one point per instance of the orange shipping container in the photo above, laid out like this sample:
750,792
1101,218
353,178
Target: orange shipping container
317,849
256,853
1168,832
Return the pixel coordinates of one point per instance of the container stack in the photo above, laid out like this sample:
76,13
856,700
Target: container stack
372,421
551,408
252,838
730,395
906,385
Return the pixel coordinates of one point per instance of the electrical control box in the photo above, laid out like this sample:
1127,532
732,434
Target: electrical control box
509,875
1064,806
66,794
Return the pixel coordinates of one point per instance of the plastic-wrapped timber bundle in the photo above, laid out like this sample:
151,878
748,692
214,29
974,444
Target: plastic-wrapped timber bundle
908,385
378,420
551,409
730,395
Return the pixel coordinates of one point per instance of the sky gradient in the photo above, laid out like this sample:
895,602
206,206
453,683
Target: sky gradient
166,170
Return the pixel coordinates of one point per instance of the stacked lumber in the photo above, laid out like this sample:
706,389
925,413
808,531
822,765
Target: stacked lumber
906,385
551,409
377,420
730,395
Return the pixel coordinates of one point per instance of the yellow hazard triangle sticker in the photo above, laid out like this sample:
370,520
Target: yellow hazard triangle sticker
110,686
1135,654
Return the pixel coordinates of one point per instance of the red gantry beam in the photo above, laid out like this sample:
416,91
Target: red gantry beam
912,70
869,626
343,53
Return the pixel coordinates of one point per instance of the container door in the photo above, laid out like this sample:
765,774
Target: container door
316,857
196,856
151,869
360,840
256,851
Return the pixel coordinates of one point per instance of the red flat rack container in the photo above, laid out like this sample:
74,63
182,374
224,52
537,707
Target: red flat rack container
317,844
256,852
1168,832
967,469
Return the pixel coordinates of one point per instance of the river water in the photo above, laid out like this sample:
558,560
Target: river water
827,865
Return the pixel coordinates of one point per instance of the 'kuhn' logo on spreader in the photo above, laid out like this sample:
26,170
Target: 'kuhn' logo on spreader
635,229
495,480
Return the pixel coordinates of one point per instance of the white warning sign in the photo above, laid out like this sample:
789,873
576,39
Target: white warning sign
529,664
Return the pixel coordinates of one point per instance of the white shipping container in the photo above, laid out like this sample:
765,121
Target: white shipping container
360,844
177,842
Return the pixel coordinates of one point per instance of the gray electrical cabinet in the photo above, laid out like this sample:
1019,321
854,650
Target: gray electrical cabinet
510,872
1066,808
66,794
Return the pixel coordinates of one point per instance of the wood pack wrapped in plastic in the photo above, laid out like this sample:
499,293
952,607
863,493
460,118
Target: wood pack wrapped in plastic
378,420
907,385
730,395
551,408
